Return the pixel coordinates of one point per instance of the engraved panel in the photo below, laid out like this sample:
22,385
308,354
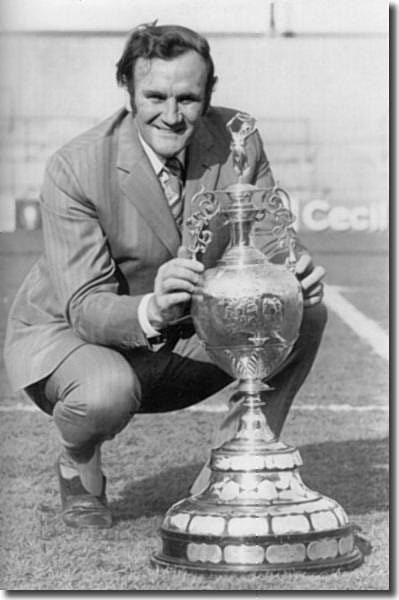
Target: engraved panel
204,553
180,521
244,554
206,525
267,490
324,521
322,549
228,491
345,544
242,526
290,524
285,553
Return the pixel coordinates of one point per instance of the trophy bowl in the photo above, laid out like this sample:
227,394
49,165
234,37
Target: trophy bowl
248,313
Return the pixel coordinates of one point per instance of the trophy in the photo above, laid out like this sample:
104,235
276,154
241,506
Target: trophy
255,513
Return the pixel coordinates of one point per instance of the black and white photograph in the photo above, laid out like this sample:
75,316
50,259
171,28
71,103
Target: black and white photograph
194,263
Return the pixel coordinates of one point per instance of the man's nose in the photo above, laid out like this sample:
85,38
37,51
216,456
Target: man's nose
171,114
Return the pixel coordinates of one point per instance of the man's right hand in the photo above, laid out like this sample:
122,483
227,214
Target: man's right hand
173,287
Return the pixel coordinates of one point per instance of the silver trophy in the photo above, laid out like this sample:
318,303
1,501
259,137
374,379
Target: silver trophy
255,513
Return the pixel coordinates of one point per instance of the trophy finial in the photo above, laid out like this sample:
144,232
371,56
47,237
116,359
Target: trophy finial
241,126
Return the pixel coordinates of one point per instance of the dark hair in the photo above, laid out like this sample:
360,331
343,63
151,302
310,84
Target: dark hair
165,42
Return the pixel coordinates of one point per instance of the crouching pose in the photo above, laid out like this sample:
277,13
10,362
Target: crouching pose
92,334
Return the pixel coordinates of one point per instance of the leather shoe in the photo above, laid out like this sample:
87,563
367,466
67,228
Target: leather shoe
80,508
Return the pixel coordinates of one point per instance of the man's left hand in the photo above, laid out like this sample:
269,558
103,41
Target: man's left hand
310,277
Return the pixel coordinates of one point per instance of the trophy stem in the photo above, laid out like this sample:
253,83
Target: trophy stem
253,427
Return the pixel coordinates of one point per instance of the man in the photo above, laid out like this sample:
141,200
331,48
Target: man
95,333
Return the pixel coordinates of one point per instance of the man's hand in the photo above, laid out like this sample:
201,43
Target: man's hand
310,279
173,287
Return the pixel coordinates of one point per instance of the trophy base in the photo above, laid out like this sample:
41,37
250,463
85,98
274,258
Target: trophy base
255,513
326,550
347,563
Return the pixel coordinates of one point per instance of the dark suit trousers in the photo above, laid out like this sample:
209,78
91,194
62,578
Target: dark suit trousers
96,390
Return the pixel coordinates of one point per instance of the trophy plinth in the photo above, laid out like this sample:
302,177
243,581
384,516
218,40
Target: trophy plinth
255,513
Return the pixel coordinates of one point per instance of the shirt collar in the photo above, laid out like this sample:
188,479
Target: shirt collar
156,161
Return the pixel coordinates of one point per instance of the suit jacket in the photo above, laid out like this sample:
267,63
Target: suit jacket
107,228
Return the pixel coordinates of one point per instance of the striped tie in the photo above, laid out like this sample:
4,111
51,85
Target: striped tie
171,178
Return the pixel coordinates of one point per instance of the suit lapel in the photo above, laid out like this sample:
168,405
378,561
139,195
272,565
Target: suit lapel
203,166
141,186
206,155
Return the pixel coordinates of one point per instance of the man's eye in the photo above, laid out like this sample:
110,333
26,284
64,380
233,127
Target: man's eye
188,100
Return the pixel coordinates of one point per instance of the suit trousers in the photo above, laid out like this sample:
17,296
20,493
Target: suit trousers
96,390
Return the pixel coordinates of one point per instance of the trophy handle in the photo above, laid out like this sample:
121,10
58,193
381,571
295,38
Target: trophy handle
278,205
207,207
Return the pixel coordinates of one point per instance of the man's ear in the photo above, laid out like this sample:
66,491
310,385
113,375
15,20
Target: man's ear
128,104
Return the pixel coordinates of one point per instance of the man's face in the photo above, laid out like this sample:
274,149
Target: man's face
169,97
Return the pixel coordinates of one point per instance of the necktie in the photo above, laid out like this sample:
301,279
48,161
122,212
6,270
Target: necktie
171,178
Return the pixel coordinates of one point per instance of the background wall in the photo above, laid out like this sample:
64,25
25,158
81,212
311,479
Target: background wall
314,73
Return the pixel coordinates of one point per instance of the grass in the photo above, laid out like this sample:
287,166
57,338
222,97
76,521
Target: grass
148,471
152,463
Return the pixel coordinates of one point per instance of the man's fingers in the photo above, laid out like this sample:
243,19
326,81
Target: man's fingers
304,265
315,290
313,296
186,263
310,278
169,300
174,284
179,272
312,301
313,278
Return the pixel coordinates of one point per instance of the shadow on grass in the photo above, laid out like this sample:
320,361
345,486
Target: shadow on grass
355,473
154,495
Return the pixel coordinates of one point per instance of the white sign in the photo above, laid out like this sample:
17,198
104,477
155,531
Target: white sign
321,215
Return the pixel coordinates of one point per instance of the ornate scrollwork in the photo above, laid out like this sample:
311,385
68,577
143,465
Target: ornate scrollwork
197,223
283,219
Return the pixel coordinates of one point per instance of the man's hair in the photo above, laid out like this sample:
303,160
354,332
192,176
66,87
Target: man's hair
165,42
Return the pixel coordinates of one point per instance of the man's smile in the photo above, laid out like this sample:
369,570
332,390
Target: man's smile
168,130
